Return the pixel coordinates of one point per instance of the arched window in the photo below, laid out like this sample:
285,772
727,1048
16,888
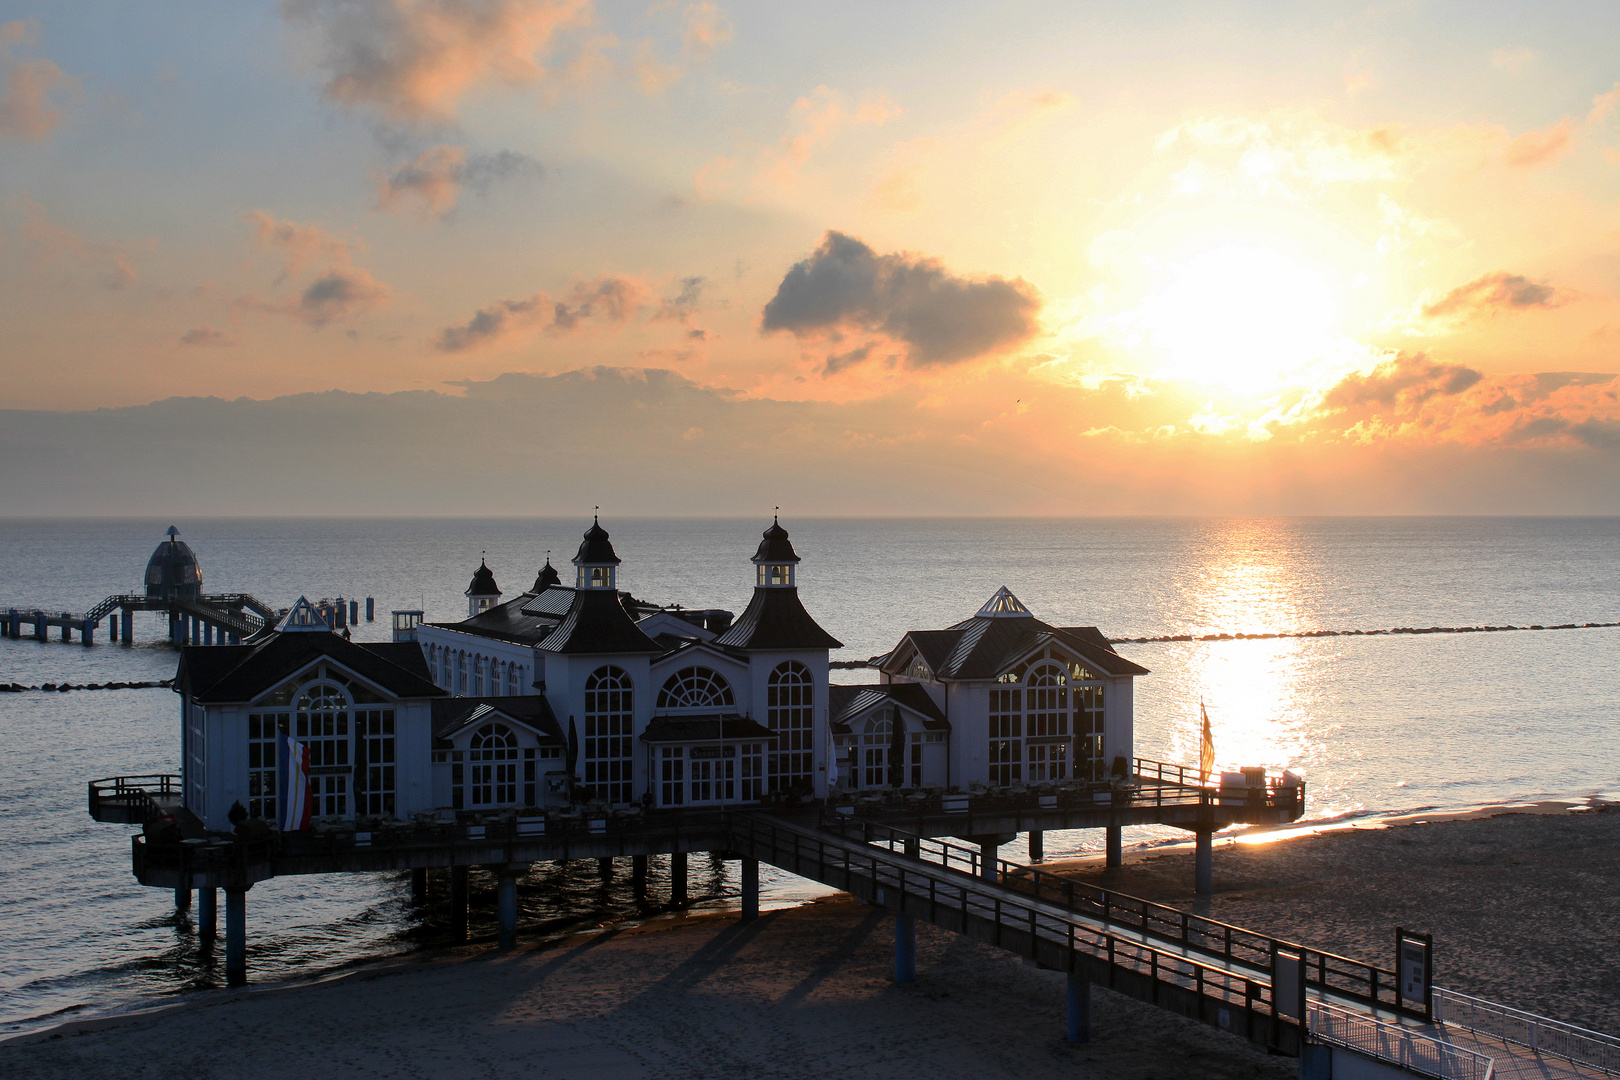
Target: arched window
1046,723
493,754
514,677
609,720
322,724
789,709
461,672
876,741
695,688
478,676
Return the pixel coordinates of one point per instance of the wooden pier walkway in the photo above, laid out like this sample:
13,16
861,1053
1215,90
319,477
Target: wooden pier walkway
216,617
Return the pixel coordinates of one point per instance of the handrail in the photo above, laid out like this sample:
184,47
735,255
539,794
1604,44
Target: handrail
1576,1044
981,899
1396,1044
1325,971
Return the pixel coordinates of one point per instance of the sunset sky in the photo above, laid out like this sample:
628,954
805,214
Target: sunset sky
921,258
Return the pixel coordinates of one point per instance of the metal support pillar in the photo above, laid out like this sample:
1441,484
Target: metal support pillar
1205,861
112,627
506,905
1079,994
182,899
371,609
67,626
987,858
208,633
604,868
196,630
1037,845
905,949
750,888
638,875
87,632
41,631
418,888
458,903
677,879
128,621
235,936
1115,846
207,916
913,847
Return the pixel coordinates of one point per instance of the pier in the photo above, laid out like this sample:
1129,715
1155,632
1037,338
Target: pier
1285,996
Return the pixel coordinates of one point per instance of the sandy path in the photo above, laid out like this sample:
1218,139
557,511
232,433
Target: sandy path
1524,908
800,993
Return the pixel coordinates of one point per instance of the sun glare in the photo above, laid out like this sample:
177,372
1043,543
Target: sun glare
1241,316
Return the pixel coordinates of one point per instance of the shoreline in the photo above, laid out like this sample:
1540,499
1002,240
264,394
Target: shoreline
86,1015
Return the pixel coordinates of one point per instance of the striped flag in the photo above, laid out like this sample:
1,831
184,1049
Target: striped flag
294,782
1206,753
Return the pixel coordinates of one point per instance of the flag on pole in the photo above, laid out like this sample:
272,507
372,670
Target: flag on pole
294,782
1206,753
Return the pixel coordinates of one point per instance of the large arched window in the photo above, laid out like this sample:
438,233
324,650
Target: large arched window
789,705
696,688
877,739
461,672
609,720
1046,723
493,754
321,723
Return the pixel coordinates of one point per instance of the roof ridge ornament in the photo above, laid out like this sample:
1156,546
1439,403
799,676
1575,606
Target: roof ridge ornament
1003,605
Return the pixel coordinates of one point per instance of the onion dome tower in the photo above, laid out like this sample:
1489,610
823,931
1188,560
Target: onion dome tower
774,618
483,593
596,621
547,577
172,572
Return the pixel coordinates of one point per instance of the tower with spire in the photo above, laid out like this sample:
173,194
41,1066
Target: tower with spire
482,594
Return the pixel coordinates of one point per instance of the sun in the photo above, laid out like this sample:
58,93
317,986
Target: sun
1243,316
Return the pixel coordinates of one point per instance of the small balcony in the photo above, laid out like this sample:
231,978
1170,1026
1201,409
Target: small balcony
135,800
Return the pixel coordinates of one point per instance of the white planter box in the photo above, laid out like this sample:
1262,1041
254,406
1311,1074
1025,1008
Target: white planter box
531,826
954,804
475,832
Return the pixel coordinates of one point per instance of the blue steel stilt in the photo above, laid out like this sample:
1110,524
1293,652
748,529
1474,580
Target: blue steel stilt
182,899
750,889
235,936
905,949
207,917
1079,994
1205,859
506,906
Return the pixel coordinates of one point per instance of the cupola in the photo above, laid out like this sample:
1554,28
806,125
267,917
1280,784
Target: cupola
547,577
172,573
776,562
597,564
483,593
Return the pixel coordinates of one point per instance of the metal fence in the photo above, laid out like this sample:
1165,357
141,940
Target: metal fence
1400,1046
1575,1044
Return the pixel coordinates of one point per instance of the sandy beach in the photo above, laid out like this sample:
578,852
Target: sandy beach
1523,908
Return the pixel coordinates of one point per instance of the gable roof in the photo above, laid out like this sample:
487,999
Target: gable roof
984,646
775,619
221,673
452,715
597,623
520,620
845,702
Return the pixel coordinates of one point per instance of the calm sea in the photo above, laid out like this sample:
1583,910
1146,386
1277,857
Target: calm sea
1377,724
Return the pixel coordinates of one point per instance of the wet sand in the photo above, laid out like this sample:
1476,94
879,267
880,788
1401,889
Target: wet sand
803,992
1524,907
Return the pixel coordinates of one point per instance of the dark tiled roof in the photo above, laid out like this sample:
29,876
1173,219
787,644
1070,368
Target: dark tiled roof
554,602
219,673
775,547
402,654
983,647
451,715
596,550
775,619
519,620
597,623
483,582
728,726
847,702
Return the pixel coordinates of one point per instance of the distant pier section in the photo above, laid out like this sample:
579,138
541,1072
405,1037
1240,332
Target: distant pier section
174,584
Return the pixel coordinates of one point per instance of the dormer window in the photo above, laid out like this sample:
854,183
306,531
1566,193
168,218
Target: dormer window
595,577
775,575
919,669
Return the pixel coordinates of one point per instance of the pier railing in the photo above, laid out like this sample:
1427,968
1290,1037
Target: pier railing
1576,1044
1400,1046
132,799
1235,1001
1327,972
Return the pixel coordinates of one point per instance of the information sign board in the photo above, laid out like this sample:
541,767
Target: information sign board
1414,969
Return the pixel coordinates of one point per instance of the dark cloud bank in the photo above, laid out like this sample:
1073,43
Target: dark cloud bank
652,442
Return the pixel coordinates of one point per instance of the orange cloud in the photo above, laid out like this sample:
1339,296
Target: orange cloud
414,60
340,289
814,120
1489,294
112,265
25,110
611,301
1540,147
